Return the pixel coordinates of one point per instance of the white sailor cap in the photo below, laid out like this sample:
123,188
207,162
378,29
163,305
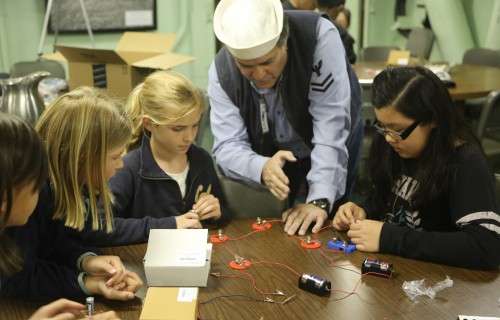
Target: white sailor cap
249,28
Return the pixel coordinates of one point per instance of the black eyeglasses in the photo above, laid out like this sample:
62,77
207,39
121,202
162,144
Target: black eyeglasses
396,136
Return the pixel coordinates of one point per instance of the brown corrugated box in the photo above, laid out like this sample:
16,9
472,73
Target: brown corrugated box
119,71
169,303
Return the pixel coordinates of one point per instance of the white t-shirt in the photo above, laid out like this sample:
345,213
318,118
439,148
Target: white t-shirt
180,178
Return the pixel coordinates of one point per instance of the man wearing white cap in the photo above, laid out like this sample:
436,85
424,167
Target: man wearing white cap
281,112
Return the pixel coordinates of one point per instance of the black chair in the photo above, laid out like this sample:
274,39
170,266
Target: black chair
376,53
488,128
482,56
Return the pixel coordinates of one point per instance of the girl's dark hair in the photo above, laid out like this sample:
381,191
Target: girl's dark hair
22,161
418,94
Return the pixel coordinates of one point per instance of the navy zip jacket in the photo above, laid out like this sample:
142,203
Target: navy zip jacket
147,198
50,256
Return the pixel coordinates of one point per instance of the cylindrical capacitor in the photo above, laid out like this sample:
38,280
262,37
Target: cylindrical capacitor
315,284
90,306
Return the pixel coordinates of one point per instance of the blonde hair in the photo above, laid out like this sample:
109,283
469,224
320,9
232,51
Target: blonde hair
79,129
164,97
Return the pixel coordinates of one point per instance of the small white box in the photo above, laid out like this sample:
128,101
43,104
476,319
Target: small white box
177,258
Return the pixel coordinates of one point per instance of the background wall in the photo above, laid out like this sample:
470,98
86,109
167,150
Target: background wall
481,19
21,23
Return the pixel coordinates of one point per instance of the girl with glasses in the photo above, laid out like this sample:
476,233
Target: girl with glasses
433,195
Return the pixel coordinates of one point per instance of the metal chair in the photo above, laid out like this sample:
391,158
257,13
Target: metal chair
24,68
376,53
488,128
420,43
482,56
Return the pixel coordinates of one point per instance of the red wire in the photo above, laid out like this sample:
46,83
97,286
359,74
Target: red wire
274,220
329,225
248,277
244,236
349,293
278,264
227,249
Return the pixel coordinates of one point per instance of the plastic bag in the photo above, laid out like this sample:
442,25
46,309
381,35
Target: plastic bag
416,288
50,88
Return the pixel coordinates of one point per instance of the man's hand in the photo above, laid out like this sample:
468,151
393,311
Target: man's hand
302,215
365,234
346,215
273,176
207,207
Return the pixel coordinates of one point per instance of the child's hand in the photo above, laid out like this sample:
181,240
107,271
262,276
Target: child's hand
121,291
346,215
131,282
110,315
207,207
109,266
365,234
59,309
188,220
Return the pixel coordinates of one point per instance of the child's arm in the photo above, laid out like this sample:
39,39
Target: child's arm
42,279
473,211
471,247
127,231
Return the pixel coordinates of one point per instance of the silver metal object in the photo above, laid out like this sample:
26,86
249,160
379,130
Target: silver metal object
90,306
259,220
20,96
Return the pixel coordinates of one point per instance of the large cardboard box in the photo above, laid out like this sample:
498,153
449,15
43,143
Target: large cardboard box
119,71
170,304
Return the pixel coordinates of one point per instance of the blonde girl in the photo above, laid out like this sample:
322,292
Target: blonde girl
166,180
84,134
37,260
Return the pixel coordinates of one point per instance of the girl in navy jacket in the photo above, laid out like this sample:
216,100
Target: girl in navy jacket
166,181
84,135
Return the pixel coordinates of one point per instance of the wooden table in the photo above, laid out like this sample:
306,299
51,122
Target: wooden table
472,81
473,292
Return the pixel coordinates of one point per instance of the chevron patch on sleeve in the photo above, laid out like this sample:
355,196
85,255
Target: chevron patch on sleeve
323,85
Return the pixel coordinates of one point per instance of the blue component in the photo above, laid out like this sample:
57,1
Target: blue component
341,246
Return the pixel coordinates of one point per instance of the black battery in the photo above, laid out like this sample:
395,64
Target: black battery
377,268
315,284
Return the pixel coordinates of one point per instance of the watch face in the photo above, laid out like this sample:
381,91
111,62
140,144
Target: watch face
322,204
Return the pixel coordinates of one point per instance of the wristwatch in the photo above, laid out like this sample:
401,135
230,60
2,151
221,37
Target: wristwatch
322,204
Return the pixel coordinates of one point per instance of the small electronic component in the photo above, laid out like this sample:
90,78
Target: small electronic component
240,263
377,268
90,306
309,243
261,225
220,237
315,284
340,245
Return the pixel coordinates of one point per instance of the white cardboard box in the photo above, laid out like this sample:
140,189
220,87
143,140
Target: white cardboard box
177,258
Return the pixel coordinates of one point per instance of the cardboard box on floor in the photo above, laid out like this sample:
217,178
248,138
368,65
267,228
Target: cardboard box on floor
119,71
